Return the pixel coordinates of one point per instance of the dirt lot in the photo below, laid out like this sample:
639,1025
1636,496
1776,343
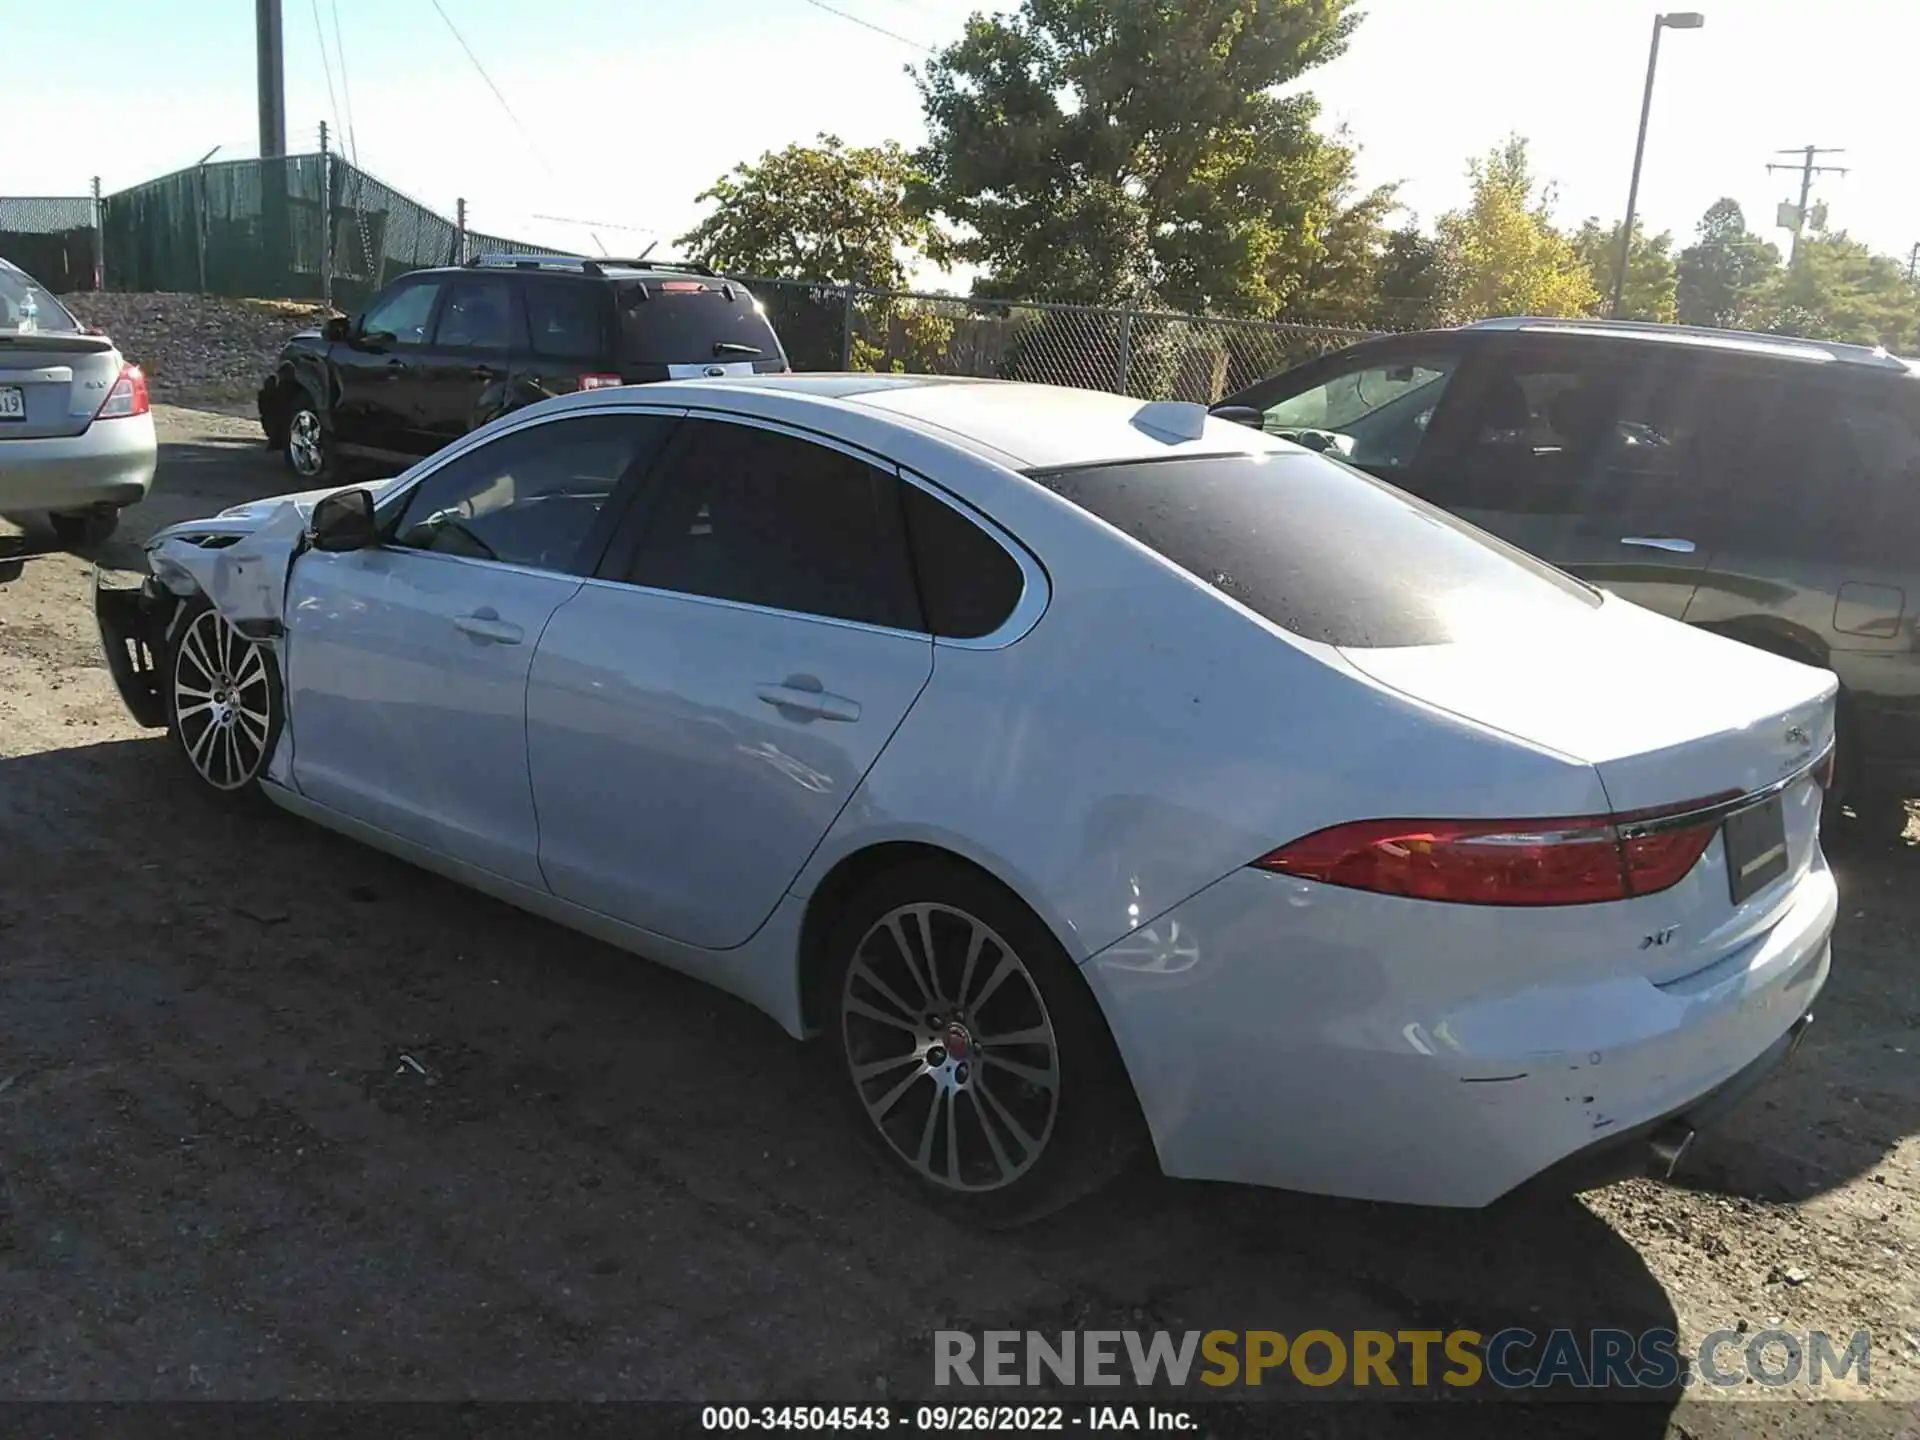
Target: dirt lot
281,1117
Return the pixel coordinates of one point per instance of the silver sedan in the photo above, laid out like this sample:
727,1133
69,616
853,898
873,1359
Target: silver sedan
76,431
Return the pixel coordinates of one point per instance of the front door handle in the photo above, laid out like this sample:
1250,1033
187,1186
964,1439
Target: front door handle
1671,544
486,624
485,372
799,698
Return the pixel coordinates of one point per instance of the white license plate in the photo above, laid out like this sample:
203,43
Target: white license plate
13,403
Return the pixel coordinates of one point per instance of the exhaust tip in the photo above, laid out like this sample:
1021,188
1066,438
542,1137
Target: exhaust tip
1666,1148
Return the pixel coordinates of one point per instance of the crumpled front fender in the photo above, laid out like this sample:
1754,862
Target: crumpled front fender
245,581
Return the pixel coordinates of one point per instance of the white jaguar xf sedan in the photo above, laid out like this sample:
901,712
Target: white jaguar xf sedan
1081,772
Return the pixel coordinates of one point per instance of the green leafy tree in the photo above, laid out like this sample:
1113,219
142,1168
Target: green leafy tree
1127,150
1649,291
1416,284
1719,278
1507,256
1838,289
832,214
825,212
1342,283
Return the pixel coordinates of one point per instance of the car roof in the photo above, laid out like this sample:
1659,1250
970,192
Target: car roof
1018,425
1780,347
580,268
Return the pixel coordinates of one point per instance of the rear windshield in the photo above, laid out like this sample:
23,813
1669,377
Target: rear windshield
1322,549
26,308
682,327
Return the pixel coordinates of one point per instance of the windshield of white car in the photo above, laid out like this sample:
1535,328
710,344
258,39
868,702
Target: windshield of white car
1321,549
25,308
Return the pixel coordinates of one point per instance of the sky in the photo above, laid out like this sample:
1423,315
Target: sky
619,112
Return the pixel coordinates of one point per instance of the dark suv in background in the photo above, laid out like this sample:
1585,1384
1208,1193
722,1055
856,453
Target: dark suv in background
1762,487
439,352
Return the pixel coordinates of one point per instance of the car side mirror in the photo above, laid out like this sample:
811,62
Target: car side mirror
343,521
1240,415
338,328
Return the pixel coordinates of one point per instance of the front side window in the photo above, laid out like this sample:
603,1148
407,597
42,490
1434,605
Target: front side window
1375,416
532,497
769,519
478,316
403,314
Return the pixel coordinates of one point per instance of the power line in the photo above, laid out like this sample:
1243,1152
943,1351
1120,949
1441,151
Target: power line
340,50
482,71
320,38
867,25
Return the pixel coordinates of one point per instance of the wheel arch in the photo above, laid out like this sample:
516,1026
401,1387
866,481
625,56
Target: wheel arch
1779,637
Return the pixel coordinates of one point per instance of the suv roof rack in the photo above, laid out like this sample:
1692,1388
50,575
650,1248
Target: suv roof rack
584,264
1748,340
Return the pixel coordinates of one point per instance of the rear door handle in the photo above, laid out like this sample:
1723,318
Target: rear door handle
1671,544
486,624
484,372
804,700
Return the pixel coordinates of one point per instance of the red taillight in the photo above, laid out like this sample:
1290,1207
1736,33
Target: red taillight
1581,860
127,397
599,382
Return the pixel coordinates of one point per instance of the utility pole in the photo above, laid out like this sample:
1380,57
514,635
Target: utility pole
1808,169
326,221
1913,262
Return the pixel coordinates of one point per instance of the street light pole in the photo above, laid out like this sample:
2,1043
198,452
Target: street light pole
1678,20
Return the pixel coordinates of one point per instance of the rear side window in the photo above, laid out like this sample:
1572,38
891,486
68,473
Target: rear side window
767,519
969,584
664,324
566,320
1321,549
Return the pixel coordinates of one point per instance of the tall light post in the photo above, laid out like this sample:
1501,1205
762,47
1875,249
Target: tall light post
1678,20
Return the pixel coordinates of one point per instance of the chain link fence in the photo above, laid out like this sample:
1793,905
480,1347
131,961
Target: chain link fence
1152,354
51,237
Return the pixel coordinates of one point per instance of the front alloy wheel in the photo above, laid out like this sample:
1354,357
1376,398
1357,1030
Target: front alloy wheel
951,1047
223,700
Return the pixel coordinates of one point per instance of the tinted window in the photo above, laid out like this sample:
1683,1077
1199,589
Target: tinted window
564,320
1374,416
769,519
691,326
404,314
1828,467
532,497
1586,431
1319,548
969,584
478,316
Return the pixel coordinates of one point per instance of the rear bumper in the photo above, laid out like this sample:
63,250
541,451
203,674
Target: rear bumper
112,463
1276,1035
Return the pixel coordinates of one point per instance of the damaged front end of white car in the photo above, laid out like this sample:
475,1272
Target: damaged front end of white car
238,561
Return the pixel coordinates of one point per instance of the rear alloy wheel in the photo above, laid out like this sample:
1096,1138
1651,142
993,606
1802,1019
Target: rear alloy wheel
975,1058
84,529
309,446
224,703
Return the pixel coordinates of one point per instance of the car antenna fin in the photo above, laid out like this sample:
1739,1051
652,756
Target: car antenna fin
1171,420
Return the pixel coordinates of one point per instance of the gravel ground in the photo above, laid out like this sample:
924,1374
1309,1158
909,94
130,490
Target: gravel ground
197,349
282,1117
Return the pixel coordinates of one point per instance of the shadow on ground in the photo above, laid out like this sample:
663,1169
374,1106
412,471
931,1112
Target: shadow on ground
284,1116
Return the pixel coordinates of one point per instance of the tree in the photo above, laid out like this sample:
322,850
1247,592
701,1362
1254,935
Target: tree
1107,151
1506,254
1649,291
1838,289
1719,277
1415,283
824,212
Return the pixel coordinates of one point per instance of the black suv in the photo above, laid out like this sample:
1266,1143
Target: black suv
1762,487
439,352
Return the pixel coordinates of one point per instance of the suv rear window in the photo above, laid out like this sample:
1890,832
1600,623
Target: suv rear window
687,327
1321,549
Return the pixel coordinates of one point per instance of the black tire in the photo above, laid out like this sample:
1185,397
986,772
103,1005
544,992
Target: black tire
84,529
955,1101
216,672
308,448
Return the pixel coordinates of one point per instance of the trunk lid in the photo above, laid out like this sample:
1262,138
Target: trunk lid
52,383
1664,712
